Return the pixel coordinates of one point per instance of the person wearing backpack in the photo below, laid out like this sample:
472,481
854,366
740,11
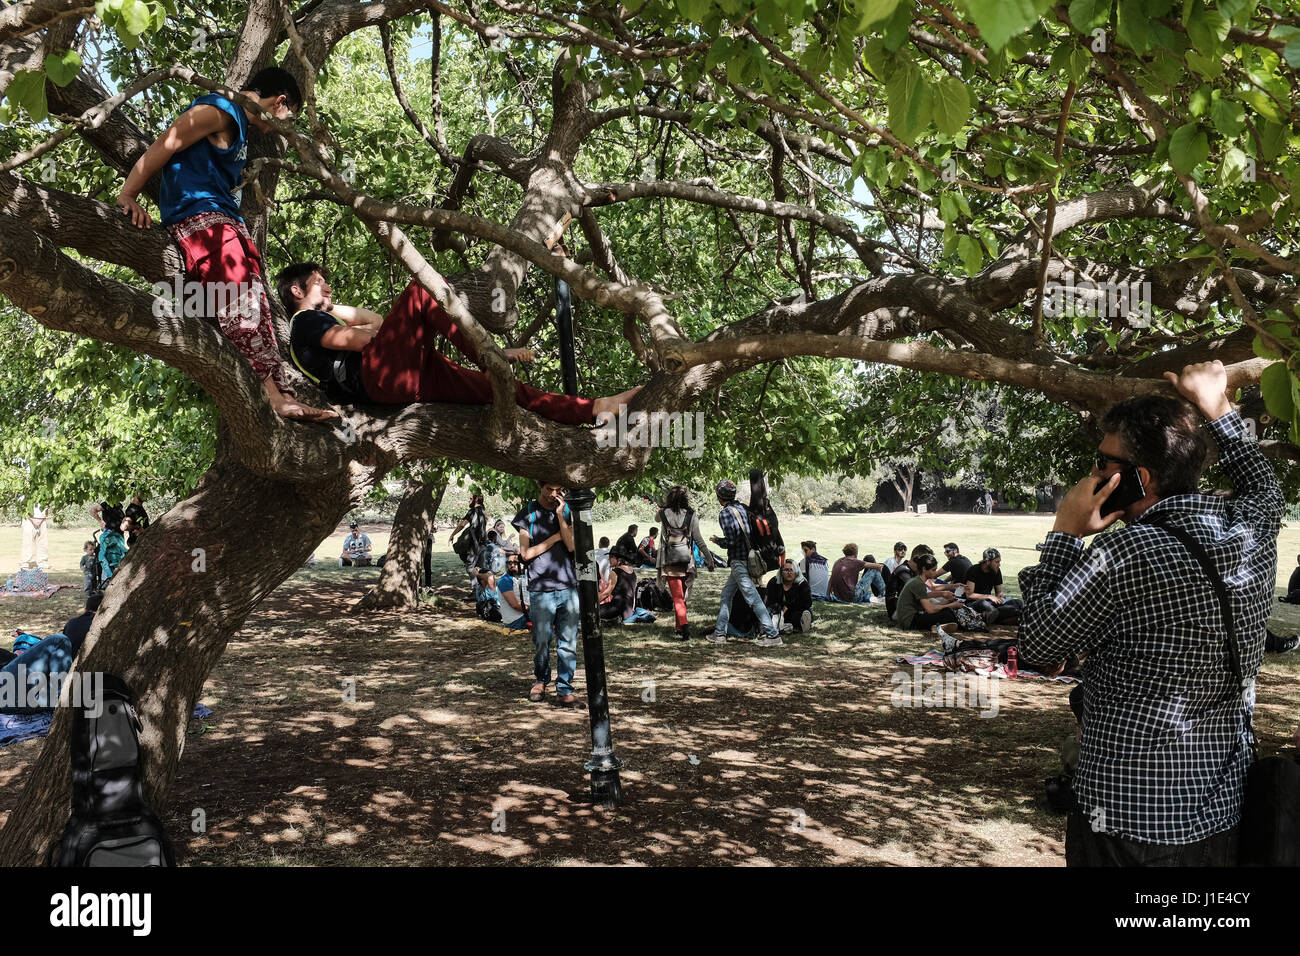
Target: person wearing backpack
735,523
675,558
1172,651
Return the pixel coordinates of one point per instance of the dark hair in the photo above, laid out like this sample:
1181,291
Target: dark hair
1163,435
492,535
870,559
678,499
951,546
296,274
808,544
631,529
274,81
653,532
93,601
604,542
926,562
921,549
899,546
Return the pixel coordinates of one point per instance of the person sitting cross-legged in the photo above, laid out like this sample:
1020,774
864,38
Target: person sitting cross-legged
919,608
513,588
789,600
394,361
984,590
356,548
618,594
817,570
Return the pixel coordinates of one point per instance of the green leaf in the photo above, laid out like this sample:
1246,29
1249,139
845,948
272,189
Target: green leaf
27,89
1234,167
947,208
135,16
1292,51
909,102
1262,350
1188,148
874,11
1200,101
62,67
1275,387
1207,29
1000,20
972,256
1134,26
1229,117
951,105
1262,103
1087,14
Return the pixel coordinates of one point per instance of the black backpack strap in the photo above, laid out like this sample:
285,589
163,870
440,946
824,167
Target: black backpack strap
1225,603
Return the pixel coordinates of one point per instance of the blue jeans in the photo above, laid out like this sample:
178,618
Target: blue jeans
740,579
557,609
51,656
871,584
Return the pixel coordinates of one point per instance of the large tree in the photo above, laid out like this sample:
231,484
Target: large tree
724,185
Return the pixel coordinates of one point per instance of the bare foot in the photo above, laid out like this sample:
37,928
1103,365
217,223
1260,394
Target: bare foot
287,407
607,407
304,413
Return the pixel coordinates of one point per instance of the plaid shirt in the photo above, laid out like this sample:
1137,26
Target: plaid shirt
734,532
1164,750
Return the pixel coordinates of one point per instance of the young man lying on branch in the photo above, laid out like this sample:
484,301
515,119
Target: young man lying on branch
354,355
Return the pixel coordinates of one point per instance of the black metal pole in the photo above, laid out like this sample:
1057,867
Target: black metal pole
606,787
564,322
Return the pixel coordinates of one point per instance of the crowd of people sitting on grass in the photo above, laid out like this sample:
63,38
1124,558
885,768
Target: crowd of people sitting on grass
639,577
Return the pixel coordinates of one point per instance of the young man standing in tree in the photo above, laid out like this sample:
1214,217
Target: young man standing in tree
394,362
546,544
201,157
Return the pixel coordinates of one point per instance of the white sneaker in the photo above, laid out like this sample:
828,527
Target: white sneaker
877,601
717,638
805,621
773,641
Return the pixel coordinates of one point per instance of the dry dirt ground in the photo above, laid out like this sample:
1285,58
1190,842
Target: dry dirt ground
733,754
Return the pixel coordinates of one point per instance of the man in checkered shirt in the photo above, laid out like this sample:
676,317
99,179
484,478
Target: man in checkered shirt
1164,750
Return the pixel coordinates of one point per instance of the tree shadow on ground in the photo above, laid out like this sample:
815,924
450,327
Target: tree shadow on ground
407,739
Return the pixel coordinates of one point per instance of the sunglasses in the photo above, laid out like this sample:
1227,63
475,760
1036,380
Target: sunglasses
1104,459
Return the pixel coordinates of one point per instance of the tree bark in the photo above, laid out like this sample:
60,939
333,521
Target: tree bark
399,585
179,596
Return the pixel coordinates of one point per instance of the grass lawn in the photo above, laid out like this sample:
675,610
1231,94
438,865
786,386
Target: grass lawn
733,754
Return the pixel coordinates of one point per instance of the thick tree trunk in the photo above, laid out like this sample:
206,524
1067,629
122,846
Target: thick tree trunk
399,585
183,590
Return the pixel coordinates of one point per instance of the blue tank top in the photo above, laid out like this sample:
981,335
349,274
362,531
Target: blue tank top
202,178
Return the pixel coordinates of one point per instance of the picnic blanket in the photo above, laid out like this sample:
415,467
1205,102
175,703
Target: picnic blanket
936,658
30,583
15,728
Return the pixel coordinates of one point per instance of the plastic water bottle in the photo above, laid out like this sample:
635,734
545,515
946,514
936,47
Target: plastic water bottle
1013,666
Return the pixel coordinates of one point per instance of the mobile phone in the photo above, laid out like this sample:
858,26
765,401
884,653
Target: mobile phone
1128,490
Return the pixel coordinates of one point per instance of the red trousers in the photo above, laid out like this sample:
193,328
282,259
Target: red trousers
679,600
218,249
400,365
